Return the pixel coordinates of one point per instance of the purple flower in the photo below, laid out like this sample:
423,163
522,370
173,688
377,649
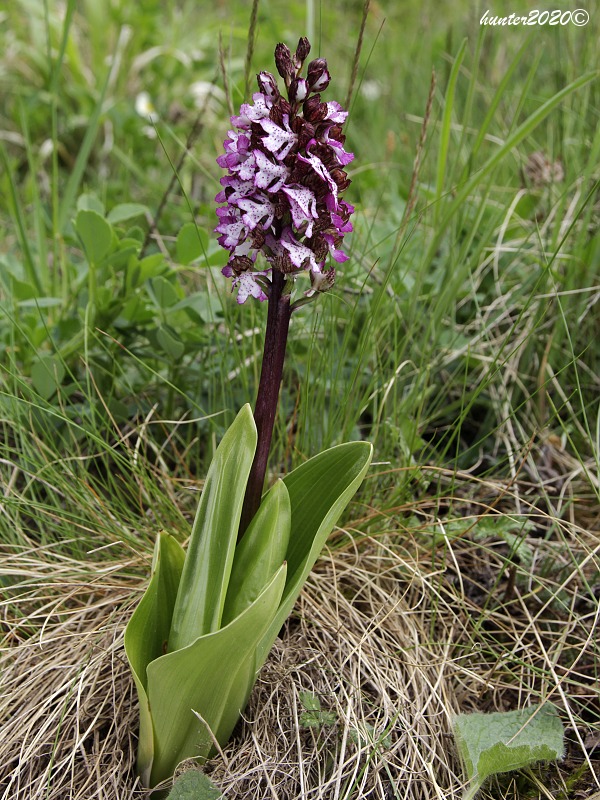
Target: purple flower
248,283
285,162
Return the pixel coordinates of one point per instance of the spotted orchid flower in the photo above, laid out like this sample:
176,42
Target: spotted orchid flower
285,162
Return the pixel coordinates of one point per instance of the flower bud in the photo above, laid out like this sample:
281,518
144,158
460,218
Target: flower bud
267,84
298,90
318,76
321,281
314,110
283,62
302,52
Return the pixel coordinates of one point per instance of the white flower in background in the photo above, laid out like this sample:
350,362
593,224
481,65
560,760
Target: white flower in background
370,90
145,107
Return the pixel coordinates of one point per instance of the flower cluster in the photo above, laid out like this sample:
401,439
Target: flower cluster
285,159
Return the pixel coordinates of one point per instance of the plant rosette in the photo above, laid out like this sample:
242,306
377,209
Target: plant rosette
209,616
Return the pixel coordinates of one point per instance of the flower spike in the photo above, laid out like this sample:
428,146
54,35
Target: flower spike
285,161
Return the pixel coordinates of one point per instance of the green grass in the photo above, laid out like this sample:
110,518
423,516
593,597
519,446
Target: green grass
460,338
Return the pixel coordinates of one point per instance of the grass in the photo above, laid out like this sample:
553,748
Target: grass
460,338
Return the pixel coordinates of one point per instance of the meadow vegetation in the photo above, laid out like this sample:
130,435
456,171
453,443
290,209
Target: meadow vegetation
461,339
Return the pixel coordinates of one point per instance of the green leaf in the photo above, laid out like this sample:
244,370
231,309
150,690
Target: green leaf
125,211
21,290
447,122
212,677
314,717
260,553
194,785
151,266
147,634
41,302
170,343
47,374
310,701
317,719
199,306
504,741
95,234
90,202
203,587
163,292
192,242
319,491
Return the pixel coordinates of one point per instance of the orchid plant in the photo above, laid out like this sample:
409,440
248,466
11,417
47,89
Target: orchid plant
209,616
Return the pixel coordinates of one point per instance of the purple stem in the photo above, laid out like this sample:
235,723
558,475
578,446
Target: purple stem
278,322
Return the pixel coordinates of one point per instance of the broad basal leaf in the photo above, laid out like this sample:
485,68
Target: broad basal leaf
260,553
213,677
203,587
147,633
319,491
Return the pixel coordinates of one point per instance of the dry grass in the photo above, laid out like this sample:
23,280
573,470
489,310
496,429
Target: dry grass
399,627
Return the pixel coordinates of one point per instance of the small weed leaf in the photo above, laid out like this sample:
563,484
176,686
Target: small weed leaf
126,211
90,202
194,785
163,292
47,374
170,343
313,717
192,242
317,719
504,741
310,701
95,234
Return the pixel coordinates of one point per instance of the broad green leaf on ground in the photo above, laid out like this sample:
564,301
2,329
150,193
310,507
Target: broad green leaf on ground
194,785
205,577
95,234
147,633
504,741
319,490
203,688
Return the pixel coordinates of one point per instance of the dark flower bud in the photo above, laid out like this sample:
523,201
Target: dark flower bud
318,76
297,124
302,52
341,179
283,62
305,134
240,264
276,114
298,90
257,237
314,110
267,84
320,248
